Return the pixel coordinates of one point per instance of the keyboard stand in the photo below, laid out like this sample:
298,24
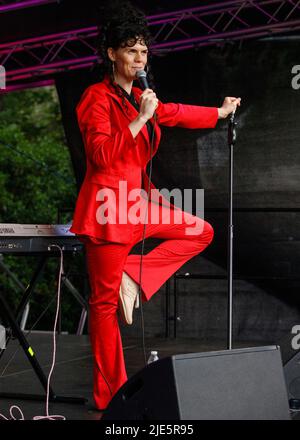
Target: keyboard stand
28,350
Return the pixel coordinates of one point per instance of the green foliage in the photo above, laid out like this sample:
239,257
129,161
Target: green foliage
35,171
36,180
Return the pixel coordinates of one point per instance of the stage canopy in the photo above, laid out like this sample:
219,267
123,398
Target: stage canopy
41,38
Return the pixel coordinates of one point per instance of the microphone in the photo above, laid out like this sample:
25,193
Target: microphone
142,77
232,115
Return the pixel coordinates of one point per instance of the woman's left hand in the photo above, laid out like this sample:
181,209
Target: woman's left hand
229,105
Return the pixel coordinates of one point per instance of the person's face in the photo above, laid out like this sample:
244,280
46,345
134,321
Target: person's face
127,60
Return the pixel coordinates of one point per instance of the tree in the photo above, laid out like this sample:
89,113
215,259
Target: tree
36,180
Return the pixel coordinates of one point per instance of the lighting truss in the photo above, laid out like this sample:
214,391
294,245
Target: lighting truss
36,59
9,5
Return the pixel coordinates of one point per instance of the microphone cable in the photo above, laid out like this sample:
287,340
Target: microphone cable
47,416
143,238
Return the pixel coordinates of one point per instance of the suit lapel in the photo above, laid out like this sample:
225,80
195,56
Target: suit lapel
131,113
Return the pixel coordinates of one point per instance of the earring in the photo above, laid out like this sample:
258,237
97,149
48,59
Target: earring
146,68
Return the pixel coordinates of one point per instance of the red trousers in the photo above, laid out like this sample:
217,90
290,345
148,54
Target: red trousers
106,262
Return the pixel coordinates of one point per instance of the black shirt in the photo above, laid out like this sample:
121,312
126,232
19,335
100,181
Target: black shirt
133,102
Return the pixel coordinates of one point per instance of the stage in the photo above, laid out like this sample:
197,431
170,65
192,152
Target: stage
72,375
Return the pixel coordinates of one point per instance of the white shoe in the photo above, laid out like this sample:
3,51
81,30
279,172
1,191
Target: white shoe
129,298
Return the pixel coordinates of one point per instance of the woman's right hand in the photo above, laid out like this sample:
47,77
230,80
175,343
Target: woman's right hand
148,104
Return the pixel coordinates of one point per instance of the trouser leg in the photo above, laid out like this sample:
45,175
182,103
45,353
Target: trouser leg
180,245
106,262
105,266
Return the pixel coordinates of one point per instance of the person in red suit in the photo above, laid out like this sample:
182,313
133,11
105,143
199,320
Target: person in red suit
117,124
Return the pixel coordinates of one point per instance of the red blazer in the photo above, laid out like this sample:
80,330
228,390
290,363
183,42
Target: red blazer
113,155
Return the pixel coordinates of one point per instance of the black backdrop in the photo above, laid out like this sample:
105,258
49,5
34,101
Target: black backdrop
266,173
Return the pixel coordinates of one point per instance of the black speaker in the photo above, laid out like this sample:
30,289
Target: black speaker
239,384
292,376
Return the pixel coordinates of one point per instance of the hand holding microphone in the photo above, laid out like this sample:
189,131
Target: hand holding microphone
229,106
148,99
148,104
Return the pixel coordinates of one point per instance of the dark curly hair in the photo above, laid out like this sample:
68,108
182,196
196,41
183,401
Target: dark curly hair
120,24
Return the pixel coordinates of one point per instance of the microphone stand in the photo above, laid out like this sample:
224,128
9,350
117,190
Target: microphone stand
231,141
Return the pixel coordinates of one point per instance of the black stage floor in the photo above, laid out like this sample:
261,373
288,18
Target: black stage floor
72,375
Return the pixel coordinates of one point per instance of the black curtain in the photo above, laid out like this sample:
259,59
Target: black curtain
266,169
70,86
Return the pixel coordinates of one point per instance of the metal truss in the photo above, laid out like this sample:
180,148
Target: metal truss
38,59
11,5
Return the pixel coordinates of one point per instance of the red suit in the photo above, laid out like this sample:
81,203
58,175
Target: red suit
113,155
